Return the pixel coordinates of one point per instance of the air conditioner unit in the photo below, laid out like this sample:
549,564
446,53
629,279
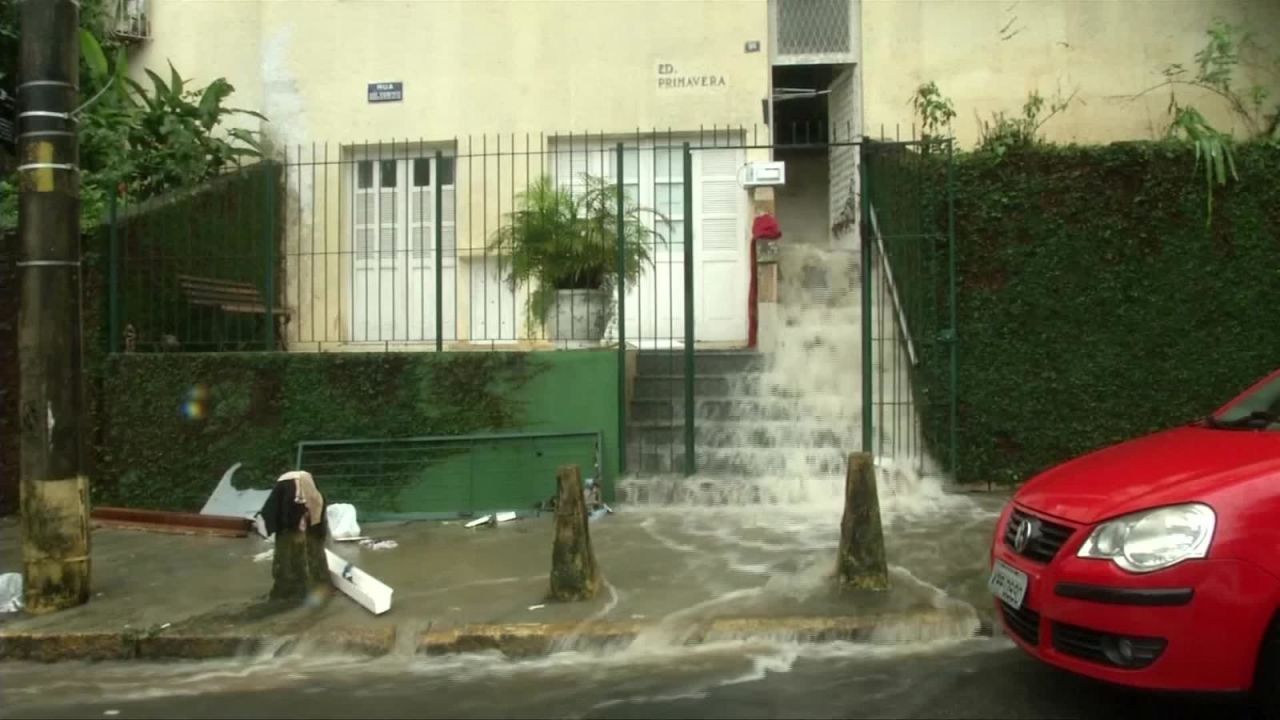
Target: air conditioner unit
765,173
133,22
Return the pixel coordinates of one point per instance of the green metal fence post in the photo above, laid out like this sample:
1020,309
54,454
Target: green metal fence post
951,302
269,250
622,320
439,227
865,267
690,461
113,277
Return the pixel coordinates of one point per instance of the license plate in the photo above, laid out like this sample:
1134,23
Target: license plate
1008,584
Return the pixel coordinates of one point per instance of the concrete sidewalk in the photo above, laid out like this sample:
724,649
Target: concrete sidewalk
685,574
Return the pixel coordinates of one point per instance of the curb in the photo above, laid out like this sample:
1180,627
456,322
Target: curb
55,647
518,640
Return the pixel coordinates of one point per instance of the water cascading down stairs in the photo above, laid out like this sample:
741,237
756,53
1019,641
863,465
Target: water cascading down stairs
771,427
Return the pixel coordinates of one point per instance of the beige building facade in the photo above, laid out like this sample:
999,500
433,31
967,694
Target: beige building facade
383,108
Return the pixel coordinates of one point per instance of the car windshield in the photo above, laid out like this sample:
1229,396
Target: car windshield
1259,409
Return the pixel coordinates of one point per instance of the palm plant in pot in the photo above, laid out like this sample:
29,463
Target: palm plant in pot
564,243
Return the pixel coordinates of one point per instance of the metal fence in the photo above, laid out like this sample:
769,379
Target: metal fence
448,476
197,270
909,304
488,242
513,242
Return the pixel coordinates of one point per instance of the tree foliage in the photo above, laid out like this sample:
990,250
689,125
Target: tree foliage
135,140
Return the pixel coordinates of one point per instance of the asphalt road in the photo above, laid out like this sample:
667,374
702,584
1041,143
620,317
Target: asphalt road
975,679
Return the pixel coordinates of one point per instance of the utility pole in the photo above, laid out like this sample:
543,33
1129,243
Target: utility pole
55,490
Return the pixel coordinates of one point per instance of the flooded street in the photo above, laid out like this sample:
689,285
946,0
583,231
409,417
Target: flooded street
965,679
762,560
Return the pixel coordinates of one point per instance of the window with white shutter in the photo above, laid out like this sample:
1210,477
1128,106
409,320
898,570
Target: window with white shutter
719,218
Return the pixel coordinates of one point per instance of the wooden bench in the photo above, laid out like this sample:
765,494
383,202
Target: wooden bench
232,297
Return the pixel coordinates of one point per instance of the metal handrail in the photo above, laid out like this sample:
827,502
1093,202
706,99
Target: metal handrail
893,288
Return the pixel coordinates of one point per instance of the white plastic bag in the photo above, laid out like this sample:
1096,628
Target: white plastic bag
10,592
342,522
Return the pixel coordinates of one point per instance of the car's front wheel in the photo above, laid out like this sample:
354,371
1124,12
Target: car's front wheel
1266,680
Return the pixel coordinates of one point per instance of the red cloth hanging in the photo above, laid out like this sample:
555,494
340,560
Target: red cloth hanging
764,227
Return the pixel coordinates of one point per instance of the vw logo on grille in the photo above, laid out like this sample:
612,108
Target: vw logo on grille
1027,531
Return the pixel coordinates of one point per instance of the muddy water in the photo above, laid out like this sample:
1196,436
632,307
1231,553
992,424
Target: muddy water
571,684
751,561
755,542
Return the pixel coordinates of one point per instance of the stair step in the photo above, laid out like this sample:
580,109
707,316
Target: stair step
779,435
718,362
738,462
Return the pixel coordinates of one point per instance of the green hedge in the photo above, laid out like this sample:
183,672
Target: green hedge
155,452
1095,305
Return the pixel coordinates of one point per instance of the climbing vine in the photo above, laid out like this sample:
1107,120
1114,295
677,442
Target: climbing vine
172,423
1095,305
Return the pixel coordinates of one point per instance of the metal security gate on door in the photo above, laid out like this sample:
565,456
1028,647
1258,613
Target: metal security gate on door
889,215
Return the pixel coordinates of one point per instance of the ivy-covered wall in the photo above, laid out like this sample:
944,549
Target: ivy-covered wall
171,424
1094,303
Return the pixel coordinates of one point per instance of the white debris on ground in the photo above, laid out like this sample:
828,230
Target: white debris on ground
342,522
264,556
491,520
11,592
227,501
379,544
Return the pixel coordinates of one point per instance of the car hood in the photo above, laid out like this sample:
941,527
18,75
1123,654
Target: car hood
1180,465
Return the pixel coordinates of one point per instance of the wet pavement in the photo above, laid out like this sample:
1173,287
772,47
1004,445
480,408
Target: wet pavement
658,564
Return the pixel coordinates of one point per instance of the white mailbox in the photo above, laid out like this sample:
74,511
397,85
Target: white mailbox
765,173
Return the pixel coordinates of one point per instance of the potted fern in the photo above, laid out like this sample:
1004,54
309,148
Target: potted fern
564,243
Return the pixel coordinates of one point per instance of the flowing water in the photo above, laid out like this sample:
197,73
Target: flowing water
781,436
769,518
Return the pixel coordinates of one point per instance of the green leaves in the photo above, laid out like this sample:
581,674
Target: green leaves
564,239
1228,49
1093,306
934,110
148,140
1003,134
1212,148
91,50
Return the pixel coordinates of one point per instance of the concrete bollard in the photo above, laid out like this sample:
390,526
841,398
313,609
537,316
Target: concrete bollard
299,566
574,575
860,564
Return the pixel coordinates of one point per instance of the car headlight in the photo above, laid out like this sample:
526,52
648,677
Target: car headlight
1153,539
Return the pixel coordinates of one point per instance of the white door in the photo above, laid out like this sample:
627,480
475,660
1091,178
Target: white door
721,252
653,178
393,284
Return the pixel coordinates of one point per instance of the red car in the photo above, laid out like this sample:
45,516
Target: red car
1155,563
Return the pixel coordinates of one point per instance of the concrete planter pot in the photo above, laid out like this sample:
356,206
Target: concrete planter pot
579,316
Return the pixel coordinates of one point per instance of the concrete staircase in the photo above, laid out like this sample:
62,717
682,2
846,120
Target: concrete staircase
746,424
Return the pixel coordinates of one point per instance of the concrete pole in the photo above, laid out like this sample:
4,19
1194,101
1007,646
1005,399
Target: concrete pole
54,488
860,564
574,574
